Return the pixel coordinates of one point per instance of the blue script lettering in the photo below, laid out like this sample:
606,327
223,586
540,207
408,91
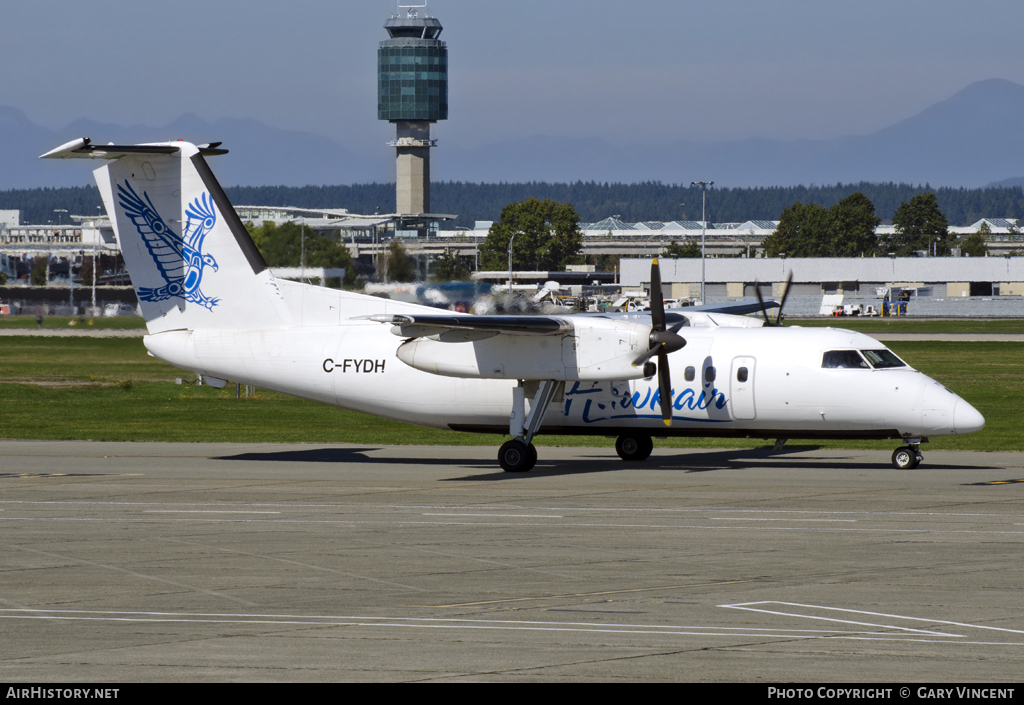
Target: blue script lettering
687,399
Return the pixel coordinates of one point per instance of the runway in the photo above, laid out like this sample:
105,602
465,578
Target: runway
228,562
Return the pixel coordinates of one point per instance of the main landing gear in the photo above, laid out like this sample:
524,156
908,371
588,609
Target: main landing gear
632,446
909,456
519,454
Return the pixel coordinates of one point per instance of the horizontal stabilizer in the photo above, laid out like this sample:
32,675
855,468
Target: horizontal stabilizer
83,148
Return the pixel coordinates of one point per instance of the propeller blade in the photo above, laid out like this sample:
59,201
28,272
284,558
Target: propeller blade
657,300
662,342
645,357
665,389
785,295
764,311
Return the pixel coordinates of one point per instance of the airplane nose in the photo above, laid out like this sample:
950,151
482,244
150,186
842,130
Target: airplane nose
966,418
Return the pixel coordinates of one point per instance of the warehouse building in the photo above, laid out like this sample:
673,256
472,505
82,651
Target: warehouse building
930,276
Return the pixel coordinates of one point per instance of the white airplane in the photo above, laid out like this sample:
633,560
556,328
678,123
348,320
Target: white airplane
213,306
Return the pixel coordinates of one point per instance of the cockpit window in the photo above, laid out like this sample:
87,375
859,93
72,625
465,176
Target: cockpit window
882,359
843,359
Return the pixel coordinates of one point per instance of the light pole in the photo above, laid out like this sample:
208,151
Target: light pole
703,230
95,251
60,212
510,241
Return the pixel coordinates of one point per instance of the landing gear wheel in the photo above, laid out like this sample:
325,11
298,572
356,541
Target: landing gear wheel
906,458
634,447
516,456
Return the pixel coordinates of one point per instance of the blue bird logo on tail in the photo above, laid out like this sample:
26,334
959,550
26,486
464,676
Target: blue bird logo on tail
180,258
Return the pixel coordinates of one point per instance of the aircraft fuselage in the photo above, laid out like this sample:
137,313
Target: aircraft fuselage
735,382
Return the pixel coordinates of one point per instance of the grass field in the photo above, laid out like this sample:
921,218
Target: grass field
109,389
64,322
910,325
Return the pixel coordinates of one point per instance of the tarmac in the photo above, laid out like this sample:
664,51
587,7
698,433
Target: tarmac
151,562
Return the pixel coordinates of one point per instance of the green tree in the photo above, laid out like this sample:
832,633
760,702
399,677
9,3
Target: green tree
800,230
605,263
86,270
399,265
689,250
851,228
450,267
847,229
38,276
283,245
974,244
918,224
546,234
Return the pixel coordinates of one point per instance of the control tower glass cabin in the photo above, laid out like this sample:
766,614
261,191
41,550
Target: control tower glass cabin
412,92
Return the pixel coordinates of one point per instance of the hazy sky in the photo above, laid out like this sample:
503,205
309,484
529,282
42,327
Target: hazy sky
637,71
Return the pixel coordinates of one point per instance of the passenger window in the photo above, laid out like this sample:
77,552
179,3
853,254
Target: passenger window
709,375
843,359
741,374
690,374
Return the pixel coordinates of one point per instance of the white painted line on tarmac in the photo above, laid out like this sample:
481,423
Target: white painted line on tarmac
392,622
788,513
748,606
205,511
574,525
745,606
513,516
135,574
851,521
506,508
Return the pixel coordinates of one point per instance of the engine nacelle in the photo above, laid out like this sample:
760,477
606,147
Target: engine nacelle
596,349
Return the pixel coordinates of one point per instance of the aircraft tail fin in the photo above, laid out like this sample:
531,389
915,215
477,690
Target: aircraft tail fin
191,260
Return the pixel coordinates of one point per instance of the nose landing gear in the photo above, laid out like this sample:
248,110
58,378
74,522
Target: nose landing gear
909,456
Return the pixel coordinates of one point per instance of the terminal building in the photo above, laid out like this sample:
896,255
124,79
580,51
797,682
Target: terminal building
945,277
368,236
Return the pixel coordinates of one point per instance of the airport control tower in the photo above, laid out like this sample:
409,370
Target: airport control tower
412,92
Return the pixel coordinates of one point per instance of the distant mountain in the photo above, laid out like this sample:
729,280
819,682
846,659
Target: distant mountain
21,142
1017,182
971,139
258,154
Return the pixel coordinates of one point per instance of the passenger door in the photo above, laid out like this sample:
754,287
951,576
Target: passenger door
741,388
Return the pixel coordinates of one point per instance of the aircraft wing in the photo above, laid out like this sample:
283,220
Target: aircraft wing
465,328
735,308
468,327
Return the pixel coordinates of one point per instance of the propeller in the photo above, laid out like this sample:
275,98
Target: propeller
785,295
663,341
